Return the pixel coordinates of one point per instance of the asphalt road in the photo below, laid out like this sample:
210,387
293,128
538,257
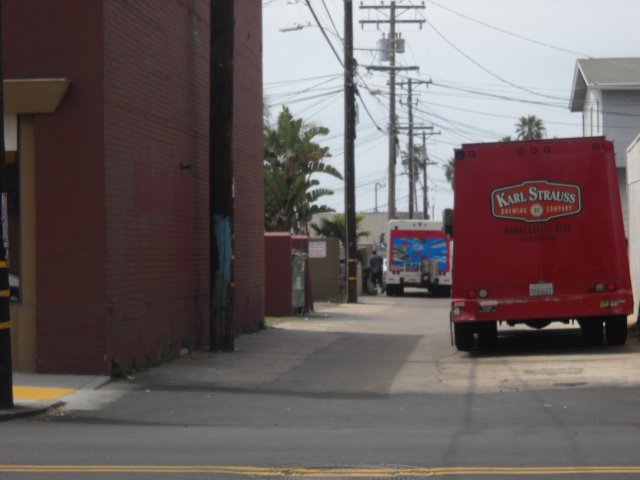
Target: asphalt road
373,390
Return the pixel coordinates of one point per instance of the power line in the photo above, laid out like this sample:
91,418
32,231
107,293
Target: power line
301,80
335,29
506,32
483,68
324,33
500,97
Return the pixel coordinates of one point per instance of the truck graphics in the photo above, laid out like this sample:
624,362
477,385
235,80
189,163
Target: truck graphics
409,251
419,256
536,201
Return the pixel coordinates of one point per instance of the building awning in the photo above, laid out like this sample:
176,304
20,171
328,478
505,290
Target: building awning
34,95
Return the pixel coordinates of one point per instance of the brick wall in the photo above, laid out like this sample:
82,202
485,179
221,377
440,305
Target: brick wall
278,273
249,295
122,175
63,39
156,136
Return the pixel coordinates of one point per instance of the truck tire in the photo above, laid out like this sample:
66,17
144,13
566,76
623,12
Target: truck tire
441,291
592,331
616,330
463,336
488,335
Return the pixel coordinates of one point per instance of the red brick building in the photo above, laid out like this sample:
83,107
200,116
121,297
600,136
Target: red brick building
109,222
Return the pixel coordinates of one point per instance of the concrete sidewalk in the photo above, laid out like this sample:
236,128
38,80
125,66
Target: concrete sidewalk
35,393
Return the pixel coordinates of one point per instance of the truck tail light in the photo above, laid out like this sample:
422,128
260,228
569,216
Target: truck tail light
473,293
608,287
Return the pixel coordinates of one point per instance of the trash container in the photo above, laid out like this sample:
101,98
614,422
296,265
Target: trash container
298,280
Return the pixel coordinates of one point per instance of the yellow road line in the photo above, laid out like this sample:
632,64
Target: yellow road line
40,393
329,472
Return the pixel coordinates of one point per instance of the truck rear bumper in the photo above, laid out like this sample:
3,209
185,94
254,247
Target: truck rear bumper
557,307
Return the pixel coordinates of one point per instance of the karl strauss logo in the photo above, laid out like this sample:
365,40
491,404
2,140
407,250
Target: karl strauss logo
536,201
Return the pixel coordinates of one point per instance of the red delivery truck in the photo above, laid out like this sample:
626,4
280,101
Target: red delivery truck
539,238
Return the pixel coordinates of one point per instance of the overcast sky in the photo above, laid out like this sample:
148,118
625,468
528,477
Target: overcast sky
490,63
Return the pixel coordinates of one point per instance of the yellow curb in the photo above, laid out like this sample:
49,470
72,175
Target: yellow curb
40,393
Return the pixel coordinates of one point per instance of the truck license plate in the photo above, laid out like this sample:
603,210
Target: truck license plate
540,289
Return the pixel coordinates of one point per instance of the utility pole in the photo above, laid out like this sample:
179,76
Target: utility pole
412,183
425,188
393,133
221,177
6,369
411,154
392,69
349,155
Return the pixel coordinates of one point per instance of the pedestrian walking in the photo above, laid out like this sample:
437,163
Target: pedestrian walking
375,269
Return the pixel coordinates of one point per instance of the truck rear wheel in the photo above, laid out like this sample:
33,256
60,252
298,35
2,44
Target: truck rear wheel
463,336
440,291
616,330
592,331
488,335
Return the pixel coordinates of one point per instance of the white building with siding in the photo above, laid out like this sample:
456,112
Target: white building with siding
633,178
607,92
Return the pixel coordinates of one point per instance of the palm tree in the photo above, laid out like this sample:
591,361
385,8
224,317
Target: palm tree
291,159
420,162
530,128
336,228
450,173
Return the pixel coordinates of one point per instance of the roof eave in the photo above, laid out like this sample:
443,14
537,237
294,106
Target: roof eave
578,90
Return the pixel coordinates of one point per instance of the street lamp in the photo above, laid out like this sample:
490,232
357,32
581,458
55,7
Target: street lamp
294,27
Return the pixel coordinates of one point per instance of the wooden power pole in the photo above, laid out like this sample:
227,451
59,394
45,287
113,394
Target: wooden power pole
349,155
392,69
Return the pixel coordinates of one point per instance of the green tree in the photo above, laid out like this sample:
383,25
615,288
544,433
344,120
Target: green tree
336,228
530,128
420,159
450,173
292,159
